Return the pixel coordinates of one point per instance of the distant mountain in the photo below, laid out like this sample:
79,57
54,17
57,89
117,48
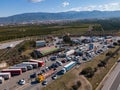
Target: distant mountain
71,15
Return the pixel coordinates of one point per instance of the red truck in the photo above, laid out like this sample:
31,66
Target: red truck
13,71
40,63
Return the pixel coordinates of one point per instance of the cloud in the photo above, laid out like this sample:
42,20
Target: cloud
104,7
35,1
65,4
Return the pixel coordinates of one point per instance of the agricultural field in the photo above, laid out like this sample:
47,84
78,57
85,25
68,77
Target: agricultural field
13,32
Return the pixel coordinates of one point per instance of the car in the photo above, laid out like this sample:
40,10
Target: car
59,63
45,82
54,77
84,58
21,82
63,61
53,58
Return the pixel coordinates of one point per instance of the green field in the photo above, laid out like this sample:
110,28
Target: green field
13,32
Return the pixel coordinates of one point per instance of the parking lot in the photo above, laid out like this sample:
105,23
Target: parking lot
82,53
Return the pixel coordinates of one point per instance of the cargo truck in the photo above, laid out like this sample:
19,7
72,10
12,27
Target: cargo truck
13,72
23,68
29,67
34,64
68,67
6,75
42,77
40,63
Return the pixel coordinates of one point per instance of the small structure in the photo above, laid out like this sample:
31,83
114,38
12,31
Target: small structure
40,43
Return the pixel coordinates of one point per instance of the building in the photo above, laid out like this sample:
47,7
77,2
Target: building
40,43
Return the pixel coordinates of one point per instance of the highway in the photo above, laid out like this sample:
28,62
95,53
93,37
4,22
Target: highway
113,81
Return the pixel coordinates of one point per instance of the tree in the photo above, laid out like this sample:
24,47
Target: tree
67,39
88,72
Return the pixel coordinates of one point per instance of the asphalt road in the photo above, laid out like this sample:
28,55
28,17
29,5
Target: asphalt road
113,81
13,43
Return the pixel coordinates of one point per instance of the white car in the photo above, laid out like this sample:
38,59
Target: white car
21,82
45,82
54,77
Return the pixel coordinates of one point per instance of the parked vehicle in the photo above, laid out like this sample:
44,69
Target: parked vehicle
29,67
1,80
23,68
45,82
53,58
21,82
70,52
70,65
34,64
59,63
40,63
13,71
6,75
42,77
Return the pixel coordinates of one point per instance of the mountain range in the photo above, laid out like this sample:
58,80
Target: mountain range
71,15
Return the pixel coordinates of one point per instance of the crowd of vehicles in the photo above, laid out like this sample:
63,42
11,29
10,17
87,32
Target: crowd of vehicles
67,59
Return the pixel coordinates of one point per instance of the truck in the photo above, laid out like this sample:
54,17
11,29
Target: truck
23,68
40,63
1,80
70,52
29,67
6,75
68,67
42,77
13,72
34,64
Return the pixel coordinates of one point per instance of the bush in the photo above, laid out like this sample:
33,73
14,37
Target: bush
102,64
76,86
109,53
88,72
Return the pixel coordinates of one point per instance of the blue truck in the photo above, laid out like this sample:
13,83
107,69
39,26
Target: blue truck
68,67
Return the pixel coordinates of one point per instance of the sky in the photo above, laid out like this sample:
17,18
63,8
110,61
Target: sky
13,7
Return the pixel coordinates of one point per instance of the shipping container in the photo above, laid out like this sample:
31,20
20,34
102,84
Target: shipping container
34,64
40,63
23,68
13,71
1,80
6,75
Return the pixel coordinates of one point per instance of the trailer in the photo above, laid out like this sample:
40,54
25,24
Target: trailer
70,65
6,75
34,64
13,72
42,77
29,67
23,68
70,52
40,63
1,80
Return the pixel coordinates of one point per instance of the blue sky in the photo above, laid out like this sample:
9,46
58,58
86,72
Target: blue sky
12,7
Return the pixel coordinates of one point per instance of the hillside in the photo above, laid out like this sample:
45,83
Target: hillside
71,15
